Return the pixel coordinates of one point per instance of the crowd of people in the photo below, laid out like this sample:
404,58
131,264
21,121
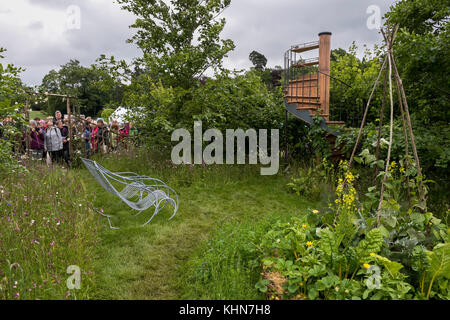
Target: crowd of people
49,139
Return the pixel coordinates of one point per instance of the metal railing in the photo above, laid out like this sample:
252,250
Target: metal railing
305,45
301,86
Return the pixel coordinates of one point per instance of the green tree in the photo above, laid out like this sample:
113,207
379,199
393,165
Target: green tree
421,50
259,60
11,109
180,40
96,87
356,78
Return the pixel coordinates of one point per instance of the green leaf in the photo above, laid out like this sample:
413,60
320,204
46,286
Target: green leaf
261,285
371,244
390,221
380,164
439,260
366,293
417,218
292,288
313,294
384,231
391,266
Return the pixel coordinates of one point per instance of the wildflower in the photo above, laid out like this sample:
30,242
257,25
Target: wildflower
304,226
52,243
337,289
430,223
315,211
278,240
309,244
32,222
371,254
17,295
366,265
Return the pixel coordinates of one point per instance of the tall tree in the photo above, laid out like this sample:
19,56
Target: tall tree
96,87
11,107
421,50
180,40
258,59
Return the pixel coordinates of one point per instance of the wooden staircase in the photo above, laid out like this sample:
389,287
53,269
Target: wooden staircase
306,87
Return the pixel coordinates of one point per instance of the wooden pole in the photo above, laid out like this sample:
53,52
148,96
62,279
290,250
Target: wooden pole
324,72
391,125
380,126
363,122
399,83
411,136
27,118
70,127
405,135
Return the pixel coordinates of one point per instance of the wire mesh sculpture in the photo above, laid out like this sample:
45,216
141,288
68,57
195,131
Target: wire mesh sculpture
138,192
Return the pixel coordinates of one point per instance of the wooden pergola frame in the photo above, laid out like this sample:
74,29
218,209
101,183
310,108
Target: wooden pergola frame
27,113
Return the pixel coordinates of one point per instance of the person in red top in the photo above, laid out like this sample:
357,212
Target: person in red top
123,135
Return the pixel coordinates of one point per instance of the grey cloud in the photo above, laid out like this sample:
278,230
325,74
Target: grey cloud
104,30
271,27
56,4
268,26
36,25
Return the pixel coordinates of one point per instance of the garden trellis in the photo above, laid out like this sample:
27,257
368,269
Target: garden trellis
390,67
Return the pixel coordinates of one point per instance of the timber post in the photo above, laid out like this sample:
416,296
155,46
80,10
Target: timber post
324,72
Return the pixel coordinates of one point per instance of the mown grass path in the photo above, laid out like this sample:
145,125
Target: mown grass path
138,262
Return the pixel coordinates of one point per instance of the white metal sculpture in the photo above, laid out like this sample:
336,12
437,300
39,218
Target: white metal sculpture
138,192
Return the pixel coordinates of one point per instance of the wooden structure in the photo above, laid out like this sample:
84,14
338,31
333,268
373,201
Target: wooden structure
307,81
69,113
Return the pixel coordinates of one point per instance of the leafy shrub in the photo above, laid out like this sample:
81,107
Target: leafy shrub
345,254
312,182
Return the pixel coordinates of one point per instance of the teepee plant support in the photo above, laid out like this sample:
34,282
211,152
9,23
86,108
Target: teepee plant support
391,71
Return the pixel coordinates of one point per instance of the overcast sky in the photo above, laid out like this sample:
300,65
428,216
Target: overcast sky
37,36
